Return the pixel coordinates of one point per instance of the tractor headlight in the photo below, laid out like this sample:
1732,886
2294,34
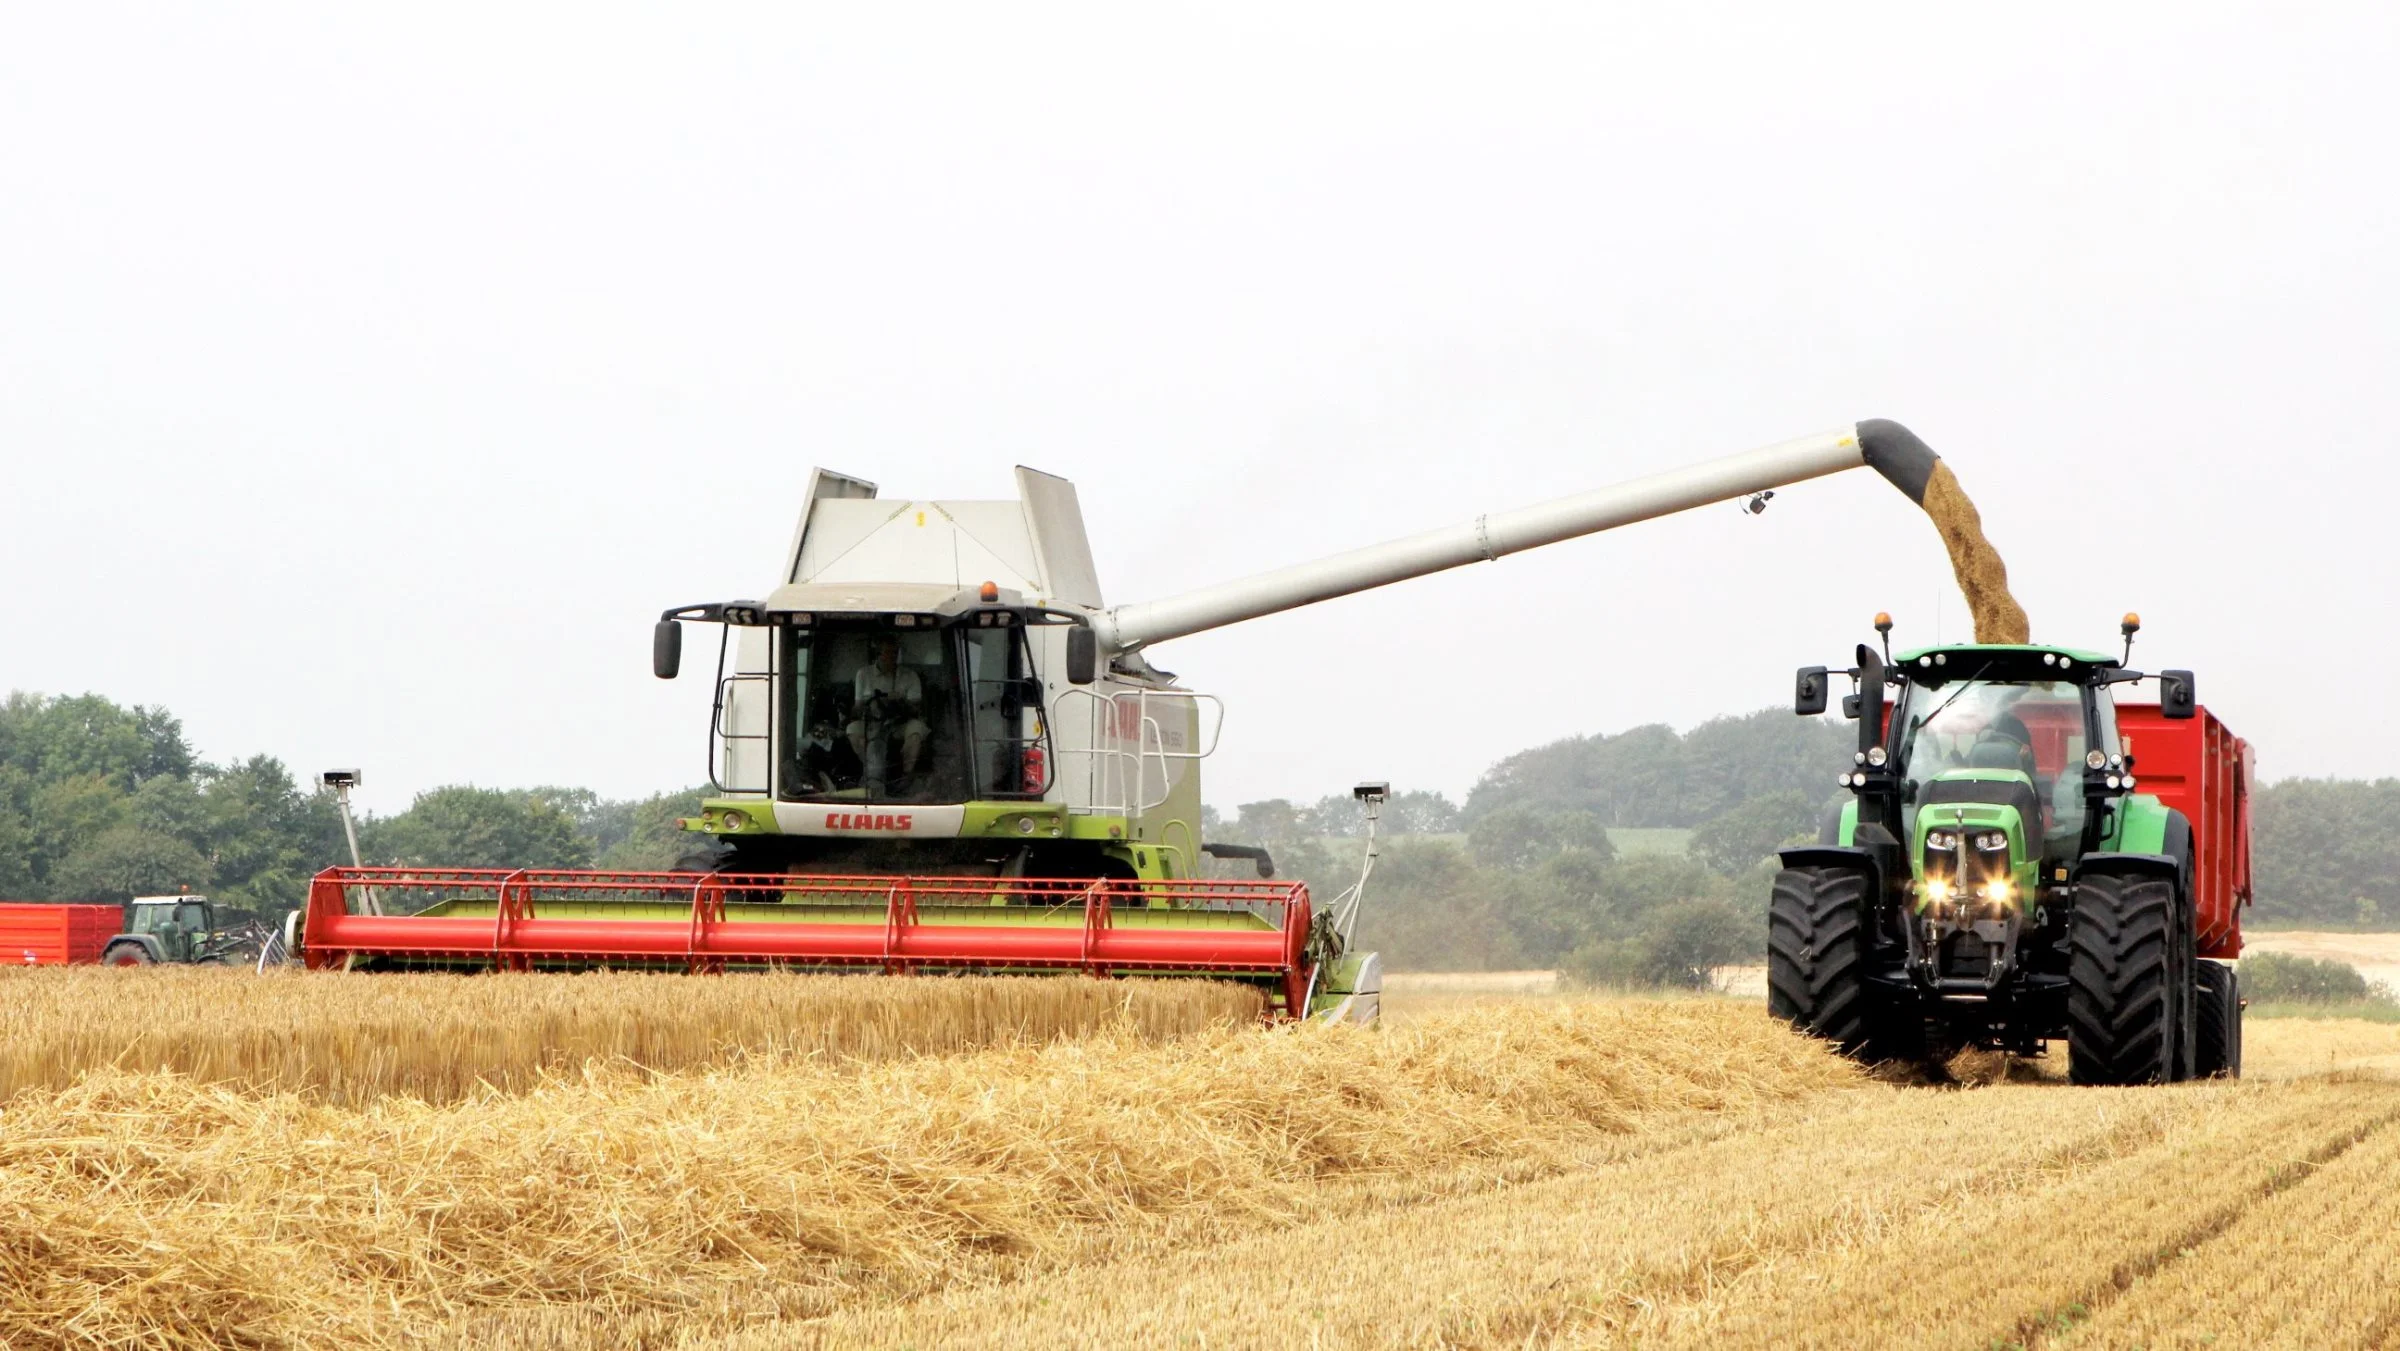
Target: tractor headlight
1991,841
1941,840
1938,891
2000,891
733,820
1876,755
2095,759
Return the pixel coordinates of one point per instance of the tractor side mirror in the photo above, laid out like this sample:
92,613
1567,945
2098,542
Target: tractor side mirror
666,649
1083,655
2175,697
1808,691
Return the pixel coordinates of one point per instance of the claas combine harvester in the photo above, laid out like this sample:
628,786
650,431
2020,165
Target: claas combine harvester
2023,859
935,748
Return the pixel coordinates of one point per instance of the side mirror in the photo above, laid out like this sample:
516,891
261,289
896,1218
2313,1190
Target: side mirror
2175,697
666,649
1083,655
1808,691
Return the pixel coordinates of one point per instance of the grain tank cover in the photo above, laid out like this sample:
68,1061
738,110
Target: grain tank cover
1034,546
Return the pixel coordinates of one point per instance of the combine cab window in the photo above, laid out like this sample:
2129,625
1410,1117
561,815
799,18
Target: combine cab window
873,712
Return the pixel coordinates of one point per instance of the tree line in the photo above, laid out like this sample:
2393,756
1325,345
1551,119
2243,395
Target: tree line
1637,854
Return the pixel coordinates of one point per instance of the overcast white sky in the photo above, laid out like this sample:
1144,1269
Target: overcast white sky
370,379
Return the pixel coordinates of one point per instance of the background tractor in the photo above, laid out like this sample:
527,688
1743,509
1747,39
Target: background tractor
185,930
2022,859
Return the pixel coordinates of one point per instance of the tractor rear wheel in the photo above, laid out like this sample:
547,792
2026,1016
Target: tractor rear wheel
127,954
1817,947
2220,1022
2128,971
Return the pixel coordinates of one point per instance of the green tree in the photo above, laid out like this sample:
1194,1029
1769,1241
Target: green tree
63,736
125,861
265,836
2322,846
1650,776
1431,909
66,812
1679,946
468,827
1516,838
642,835
1733,842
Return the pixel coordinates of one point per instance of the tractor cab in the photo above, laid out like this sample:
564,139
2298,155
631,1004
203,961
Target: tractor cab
2008,730
179,925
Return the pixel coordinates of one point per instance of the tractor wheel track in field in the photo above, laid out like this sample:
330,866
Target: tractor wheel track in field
1715,1242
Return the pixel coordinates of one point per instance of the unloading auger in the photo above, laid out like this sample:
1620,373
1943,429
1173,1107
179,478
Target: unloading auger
933,747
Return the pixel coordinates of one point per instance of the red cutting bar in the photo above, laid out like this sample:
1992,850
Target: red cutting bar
517,934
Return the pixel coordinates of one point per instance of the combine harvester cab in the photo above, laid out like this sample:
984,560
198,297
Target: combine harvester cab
2023,860
933,747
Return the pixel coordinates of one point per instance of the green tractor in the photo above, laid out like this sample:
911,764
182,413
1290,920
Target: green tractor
2001,878
185,930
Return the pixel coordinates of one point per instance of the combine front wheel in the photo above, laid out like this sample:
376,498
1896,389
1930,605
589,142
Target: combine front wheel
2127,972
1817,942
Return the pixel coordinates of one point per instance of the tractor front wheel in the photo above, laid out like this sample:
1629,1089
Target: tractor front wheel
2129,981
1817,948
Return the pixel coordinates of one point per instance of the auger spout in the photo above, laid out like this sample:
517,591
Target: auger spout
1887,447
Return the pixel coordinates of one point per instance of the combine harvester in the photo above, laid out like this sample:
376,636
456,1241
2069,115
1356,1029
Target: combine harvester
934,748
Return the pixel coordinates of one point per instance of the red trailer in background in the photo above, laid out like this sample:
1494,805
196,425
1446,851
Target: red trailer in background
2197,766
40,934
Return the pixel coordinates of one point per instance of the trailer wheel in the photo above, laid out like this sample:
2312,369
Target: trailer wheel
127,954
1817,942
2220,1022
2124,965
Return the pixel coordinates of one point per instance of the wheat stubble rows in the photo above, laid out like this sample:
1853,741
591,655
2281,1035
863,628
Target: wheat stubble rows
2022,1214
1597,1172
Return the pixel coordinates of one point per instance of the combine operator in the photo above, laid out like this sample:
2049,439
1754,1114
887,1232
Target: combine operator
887,705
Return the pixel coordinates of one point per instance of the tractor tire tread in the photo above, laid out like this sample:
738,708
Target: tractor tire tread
1817,945
2120,1004
2218,1012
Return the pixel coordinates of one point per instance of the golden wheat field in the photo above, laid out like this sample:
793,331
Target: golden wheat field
203,1158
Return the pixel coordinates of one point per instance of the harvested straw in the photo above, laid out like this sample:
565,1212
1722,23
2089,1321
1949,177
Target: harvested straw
351,1038
155,1210
1981,574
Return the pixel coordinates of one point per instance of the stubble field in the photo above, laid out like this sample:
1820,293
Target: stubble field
631,1161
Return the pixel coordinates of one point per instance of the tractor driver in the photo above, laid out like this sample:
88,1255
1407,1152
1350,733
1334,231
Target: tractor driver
891,699
1981,731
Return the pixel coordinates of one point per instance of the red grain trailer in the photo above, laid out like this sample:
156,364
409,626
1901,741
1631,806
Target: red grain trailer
43,934
2197,766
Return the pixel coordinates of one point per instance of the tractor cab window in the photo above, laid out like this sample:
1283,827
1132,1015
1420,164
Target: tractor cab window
176,926
874,711
186,916
2035,728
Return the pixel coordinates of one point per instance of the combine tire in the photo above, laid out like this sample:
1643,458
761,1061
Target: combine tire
1817,944
2219,1016
2129,979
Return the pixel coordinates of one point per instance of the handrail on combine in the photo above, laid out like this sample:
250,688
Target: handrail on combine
518,919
